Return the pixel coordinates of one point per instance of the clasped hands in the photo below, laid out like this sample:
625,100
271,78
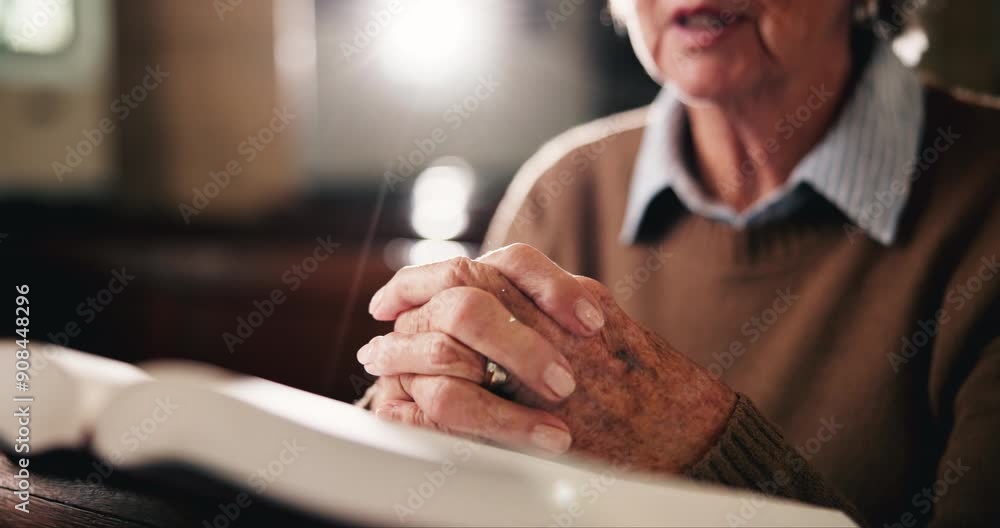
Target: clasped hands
587,378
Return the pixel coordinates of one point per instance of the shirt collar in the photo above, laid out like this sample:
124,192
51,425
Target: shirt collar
862,165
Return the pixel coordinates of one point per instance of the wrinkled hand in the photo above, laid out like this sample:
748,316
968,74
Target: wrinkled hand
633,397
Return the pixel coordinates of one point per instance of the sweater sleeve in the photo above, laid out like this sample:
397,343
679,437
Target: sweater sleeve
966,486
531,214
751,453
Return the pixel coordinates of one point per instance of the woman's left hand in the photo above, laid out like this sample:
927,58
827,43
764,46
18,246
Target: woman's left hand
636,400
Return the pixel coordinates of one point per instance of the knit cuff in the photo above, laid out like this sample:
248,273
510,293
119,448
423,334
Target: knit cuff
742,454
752,454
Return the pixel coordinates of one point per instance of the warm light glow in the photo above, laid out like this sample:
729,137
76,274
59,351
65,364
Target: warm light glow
402,252
37,26
430,39
430,251
439,224
564,493
441,200
911,46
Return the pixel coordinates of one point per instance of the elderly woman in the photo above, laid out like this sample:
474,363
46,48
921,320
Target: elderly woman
813,230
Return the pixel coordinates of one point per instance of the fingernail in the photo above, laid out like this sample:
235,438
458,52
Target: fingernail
559,380
376,300
551,439
365,354
591,317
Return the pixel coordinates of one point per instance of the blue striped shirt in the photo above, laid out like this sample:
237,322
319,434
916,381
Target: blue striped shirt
862,165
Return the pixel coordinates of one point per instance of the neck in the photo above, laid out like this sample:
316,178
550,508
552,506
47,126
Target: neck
747,147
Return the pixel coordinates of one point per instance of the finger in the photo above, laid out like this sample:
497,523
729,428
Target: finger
479,321
555,291
413,286
388,388
431,353
405,412
464,407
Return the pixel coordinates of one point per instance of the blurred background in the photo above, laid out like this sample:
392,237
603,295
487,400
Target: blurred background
231,180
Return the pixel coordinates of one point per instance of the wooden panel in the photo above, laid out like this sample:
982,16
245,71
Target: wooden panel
184,298
221,89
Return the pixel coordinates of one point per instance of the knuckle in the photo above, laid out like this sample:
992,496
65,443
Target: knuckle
402,415
441,353
467,304
424,318
443,398
519,250
460,271
594,287
408,322
420,419
521,255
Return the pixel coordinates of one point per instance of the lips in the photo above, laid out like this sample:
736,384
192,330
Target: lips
704,18
704,26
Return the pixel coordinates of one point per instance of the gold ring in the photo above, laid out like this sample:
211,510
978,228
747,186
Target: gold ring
496,376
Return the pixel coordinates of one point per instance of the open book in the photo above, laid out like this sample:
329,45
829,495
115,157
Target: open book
336,461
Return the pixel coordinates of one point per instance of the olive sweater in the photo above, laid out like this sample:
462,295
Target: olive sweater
869,375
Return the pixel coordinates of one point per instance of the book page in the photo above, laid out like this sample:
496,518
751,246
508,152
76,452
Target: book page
64,391
340,462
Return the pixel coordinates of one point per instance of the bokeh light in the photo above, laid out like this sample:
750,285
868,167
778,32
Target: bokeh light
431,40
441,199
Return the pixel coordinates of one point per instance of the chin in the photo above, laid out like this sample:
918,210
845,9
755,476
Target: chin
709,79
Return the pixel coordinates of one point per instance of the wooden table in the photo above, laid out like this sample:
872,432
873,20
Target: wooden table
71,490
